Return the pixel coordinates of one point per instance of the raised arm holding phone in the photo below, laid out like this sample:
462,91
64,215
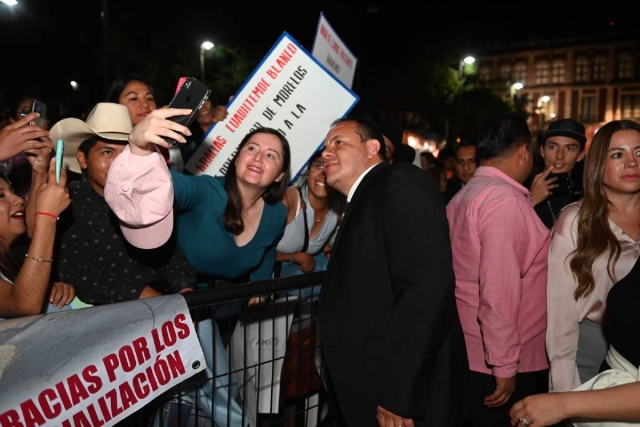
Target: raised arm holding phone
20,136
23,292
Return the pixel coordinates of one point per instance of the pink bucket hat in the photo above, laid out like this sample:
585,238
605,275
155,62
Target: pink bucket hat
139,190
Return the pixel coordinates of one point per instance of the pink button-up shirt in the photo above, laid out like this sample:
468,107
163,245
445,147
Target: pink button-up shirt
500,250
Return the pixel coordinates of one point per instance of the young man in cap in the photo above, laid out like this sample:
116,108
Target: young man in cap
557,186
92,253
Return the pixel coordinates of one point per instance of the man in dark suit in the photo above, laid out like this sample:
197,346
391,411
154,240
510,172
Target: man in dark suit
391,336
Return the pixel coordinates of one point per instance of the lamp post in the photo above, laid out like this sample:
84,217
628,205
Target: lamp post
542,106
514,88
204,46
468,60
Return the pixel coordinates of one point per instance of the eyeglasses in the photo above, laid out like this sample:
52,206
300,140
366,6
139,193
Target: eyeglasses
317,167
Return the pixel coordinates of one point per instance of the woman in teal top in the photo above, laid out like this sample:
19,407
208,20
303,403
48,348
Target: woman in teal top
227,227
212,249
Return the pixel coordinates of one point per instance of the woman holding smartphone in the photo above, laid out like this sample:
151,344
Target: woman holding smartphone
228,227
595,242
23,289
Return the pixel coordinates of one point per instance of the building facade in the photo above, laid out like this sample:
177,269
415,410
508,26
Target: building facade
592,79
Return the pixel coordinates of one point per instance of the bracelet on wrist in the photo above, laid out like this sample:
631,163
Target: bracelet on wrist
291,259
48,214
35,258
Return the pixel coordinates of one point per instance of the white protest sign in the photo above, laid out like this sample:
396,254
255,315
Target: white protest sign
94,366
333,53
290,92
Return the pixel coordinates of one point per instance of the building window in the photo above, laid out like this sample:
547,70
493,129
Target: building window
542,73
505,72
599,68
520,73
581,71
588,111
630,106
557,72
484,74
625,67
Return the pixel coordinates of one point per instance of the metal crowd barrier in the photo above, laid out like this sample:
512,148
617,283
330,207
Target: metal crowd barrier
263,361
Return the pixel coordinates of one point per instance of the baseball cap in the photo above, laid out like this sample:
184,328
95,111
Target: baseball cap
139,191
566,127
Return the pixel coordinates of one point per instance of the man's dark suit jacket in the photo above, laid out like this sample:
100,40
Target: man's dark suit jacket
390,330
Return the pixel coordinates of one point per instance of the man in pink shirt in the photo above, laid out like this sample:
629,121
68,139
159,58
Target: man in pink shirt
500,250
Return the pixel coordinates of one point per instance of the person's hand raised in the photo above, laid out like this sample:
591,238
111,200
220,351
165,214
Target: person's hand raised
219,113
20,136
53,197
40,158
154,127
541,186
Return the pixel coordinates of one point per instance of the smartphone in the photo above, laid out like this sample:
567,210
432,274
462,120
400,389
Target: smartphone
41,108
563,181
191,95
59,154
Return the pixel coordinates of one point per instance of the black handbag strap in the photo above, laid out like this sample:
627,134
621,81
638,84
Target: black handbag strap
306,225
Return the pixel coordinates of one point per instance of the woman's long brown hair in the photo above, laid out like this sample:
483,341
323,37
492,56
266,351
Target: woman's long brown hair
232,217
595,237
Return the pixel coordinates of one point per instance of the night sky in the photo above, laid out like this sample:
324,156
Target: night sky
46,43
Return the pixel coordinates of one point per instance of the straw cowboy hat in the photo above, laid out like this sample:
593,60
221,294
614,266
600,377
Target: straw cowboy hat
106,120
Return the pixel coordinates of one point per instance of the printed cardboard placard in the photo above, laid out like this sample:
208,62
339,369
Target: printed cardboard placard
289,91
331,51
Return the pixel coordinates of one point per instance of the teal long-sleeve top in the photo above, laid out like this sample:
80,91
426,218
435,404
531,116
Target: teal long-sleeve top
200,202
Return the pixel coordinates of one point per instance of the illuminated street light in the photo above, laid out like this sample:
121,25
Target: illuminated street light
514,88
468,60
74,85
542,108
9,2
204,46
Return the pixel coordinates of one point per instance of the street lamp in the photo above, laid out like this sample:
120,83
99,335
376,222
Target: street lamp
9,2
74,85
204,46
514,88
467,60
542,108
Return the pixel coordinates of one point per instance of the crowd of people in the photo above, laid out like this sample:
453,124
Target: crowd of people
474,290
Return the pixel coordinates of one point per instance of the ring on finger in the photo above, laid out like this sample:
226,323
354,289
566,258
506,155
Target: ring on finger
524,422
